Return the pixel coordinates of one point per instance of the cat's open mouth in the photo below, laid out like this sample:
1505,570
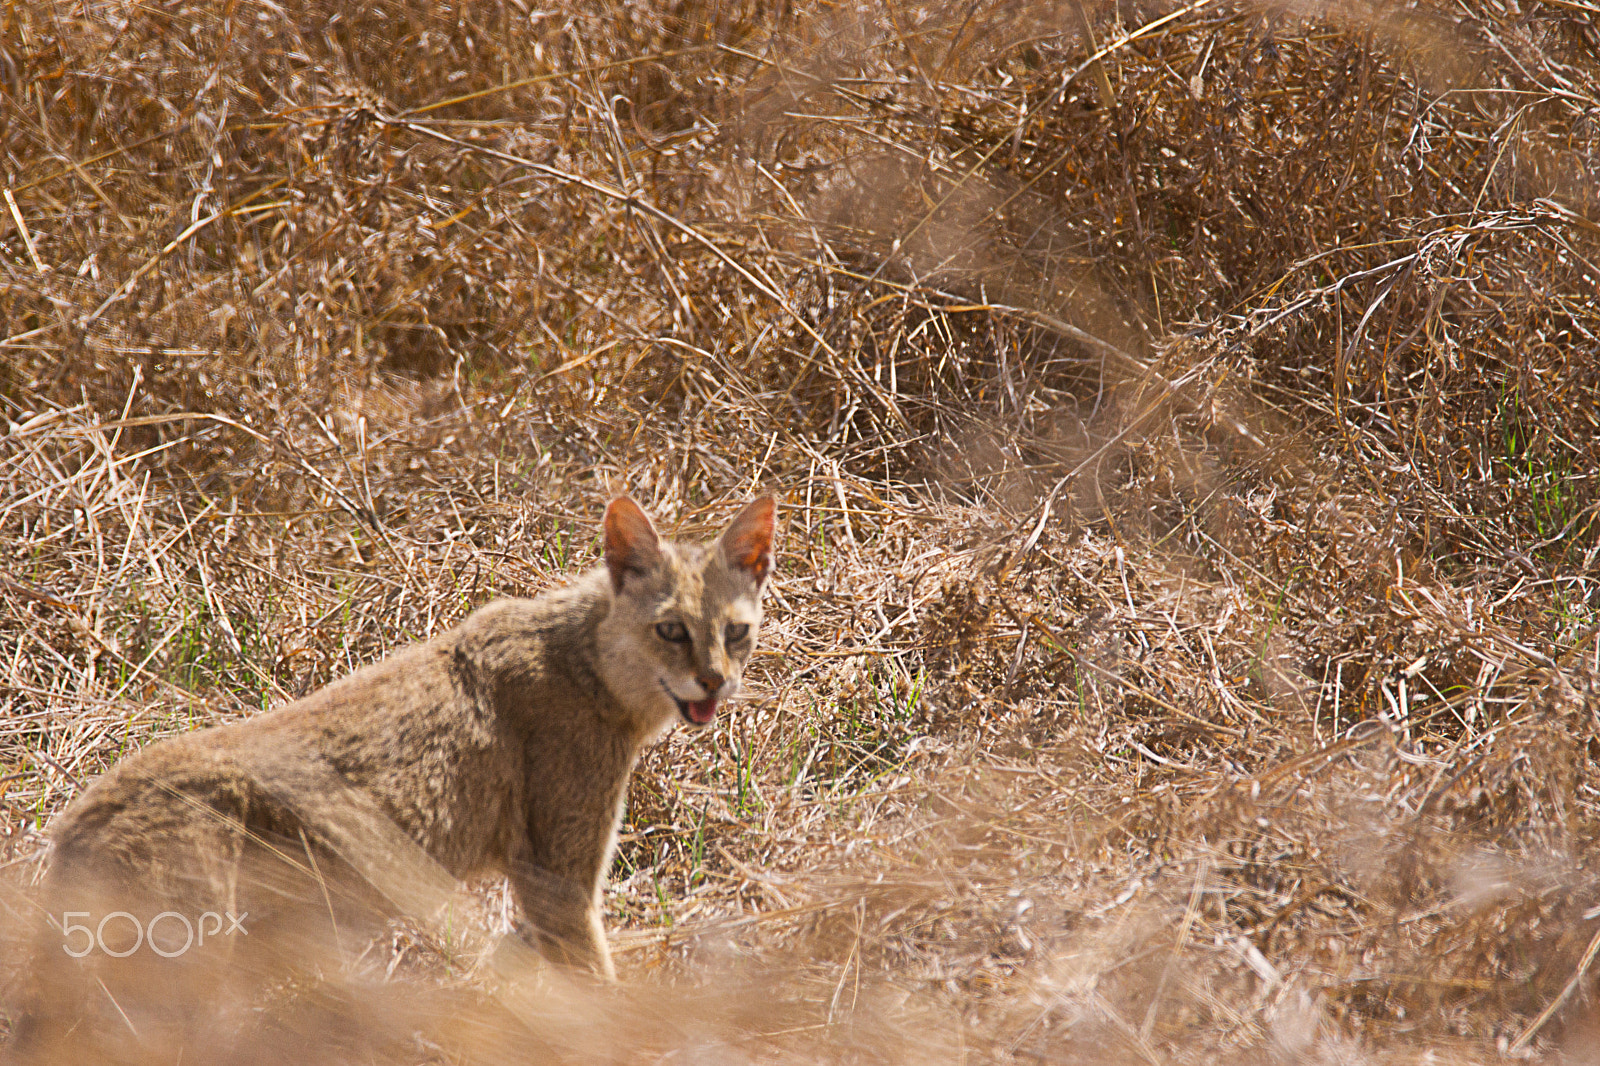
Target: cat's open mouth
695,712
698,712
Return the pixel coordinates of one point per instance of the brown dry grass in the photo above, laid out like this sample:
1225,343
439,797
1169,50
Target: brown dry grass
1184,647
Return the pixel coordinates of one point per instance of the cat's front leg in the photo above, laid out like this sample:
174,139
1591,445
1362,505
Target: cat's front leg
562,919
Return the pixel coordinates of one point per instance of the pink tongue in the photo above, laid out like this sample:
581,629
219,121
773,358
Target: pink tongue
702,711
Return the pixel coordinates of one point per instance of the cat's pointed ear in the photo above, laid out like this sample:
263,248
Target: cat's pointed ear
632,546
747,542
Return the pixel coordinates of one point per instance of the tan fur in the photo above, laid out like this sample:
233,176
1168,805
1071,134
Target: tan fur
504,744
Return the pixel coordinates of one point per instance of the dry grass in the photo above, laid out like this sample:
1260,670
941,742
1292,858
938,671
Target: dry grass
1188,420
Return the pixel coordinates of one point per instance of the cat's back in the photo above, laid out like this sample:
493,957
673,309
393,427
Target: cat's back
147,797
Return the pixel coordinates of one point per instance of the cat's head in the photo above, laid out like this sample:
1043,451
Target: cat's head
683,618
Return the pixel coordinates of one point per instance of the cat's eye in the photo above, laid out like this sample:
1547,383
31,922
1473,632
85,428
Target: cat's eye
737,632
674,632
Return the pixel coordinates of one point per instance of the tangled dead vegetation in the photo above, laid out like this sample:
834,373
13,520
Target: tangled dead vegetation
1185,644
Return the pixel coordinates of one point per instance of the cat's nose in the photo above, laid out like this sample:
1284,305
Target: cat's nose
711,681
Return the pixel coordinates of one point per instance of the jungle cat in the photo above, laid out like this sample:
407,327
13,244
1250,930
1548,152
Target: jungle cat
503,745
